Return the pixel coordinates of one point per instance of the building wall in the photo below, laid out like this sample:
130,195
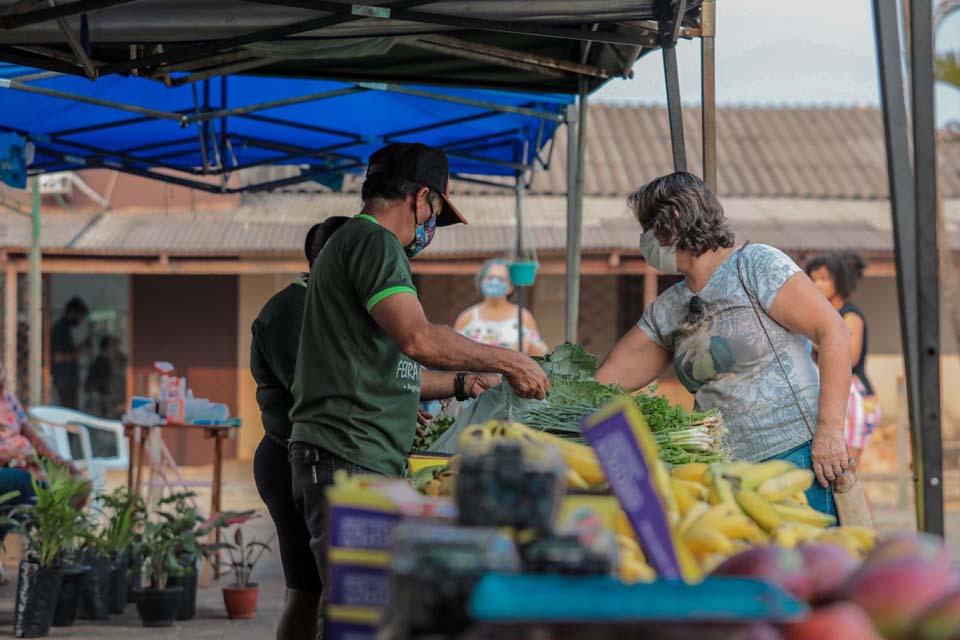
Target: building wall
253,293
190,321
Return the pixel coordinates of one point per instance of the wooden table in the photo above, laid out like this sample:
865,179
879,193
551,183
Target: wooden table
139,434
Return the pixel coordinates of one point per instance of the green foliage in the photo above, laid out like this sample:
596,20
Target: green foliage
56,524
947,68
244,554
159,555
437,427
125,514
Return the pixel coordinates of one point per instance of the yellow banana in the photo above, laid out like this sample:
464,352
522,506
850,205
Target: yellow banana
806,515
800,497
721,490
866,536
759,509
734,469
847,540
786,536
692,471
716,514
786,485
578,457
633,571
711,561
760,473
706,541
742,528
685,497
575,480
699,491
693,515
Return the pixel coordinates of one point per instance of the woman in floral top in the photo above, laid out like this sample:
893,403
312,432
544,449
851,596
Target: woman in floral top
494,320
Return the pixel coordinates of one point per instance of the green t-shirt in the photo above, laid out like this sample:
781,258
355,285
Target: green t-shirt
355,393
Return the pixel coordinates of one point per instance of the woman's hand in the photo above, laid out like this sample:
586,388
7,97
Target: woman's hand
830,457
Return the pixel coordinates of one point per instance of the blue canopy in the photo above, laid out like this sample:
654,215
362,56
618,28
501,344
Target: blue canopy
217,127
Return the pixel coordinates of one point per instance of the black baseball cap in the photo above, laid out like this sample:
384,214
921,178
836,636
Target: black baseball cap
421,164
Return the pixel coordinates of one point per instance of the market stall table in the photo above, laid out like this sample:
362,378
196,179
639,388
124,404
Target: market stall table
138,434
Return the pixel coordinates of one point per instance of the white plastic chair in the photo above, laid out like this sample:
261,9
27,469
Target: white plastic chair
56,423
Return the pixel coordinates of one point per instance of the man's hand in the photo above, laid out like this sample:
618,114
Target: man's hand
477,383
423,421
527,378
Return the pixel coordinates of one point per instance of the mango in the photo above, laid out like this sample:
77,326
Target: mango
896,591
940,621
829,566
840,620
784,568
908,544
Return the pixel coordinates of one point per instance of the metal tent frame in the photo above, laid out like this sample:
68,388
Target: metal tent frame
572,48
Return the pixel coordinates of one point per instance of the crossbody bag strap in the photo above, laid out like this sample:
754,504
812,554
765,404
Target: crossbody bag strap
755,305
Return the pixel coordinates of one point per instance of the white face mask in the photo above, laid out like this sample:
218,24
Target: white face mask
663,259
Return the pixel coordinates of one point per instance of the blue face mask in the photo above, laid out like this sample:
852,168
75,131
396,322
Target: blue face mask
494,288
422,235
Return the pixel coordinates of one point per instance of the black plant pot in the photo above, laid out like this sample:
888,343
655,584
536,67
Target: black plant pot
94,595
134,576
117,579
188,598
68,602
158,607
38,589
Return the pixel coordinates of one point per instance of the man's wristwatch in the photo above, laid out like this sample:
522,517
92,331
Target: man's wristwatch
460,386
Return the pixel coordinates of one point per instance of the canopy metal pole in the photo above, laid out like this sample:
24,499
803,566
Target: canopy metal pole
708,92
674,108
35,286
928,436
518,192
576,158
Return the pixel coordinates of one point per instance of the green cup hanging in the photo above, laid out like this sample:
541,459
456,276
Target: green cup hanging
523,269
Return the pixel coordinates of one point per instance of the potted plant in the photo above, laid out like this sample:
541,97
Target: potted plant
240,598
95,590
123,513
191,531
74,574
158,602
50,526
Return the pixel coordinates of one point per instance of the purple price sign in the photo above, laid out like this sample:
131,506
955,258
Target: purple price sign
628,472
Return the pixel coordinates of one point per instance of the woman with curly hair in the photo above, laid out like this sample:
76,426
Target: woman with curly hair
837,274
736,330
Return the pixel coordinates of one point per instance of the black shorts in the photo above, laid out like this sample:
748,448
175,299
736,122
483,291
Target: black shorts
271,471
313,470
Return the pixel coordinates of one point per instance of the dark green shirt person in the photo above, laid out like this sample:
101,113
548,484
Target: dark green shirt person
365,337
273,357
366,412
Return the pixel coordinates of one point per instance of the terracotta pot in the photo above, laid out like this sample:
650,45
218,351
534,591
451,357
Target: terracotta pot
241,604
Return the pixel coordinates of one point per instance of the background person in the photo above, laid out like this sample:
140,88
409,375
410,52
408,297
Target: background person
494,320
708,328
837,274
65,354
105,383
273,361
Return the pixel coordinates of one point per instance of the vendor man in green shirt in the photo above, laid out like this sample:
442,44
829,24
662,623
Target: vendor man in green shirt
365,337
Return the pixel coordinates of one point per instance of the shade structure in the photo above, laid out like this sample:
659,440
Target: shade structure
221,126
503,44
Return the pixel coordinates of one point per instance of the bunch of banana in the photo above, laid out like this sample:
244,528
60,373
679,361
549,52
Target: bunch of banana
633,565
725,508
583,468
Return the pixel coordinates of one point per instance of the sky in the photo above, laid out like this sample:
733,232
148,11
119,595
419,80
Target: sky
773,52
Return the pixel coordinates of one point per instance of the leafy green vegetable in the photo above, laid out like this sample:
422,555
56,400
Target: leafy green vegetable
575,394
434,430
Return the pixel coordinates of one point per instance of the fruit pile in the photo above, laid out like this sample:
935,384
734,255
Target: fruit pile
906,588
719,509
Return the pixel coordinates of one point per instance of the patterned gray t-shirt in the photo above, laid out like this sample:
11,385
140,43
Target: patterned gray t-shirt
725,360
